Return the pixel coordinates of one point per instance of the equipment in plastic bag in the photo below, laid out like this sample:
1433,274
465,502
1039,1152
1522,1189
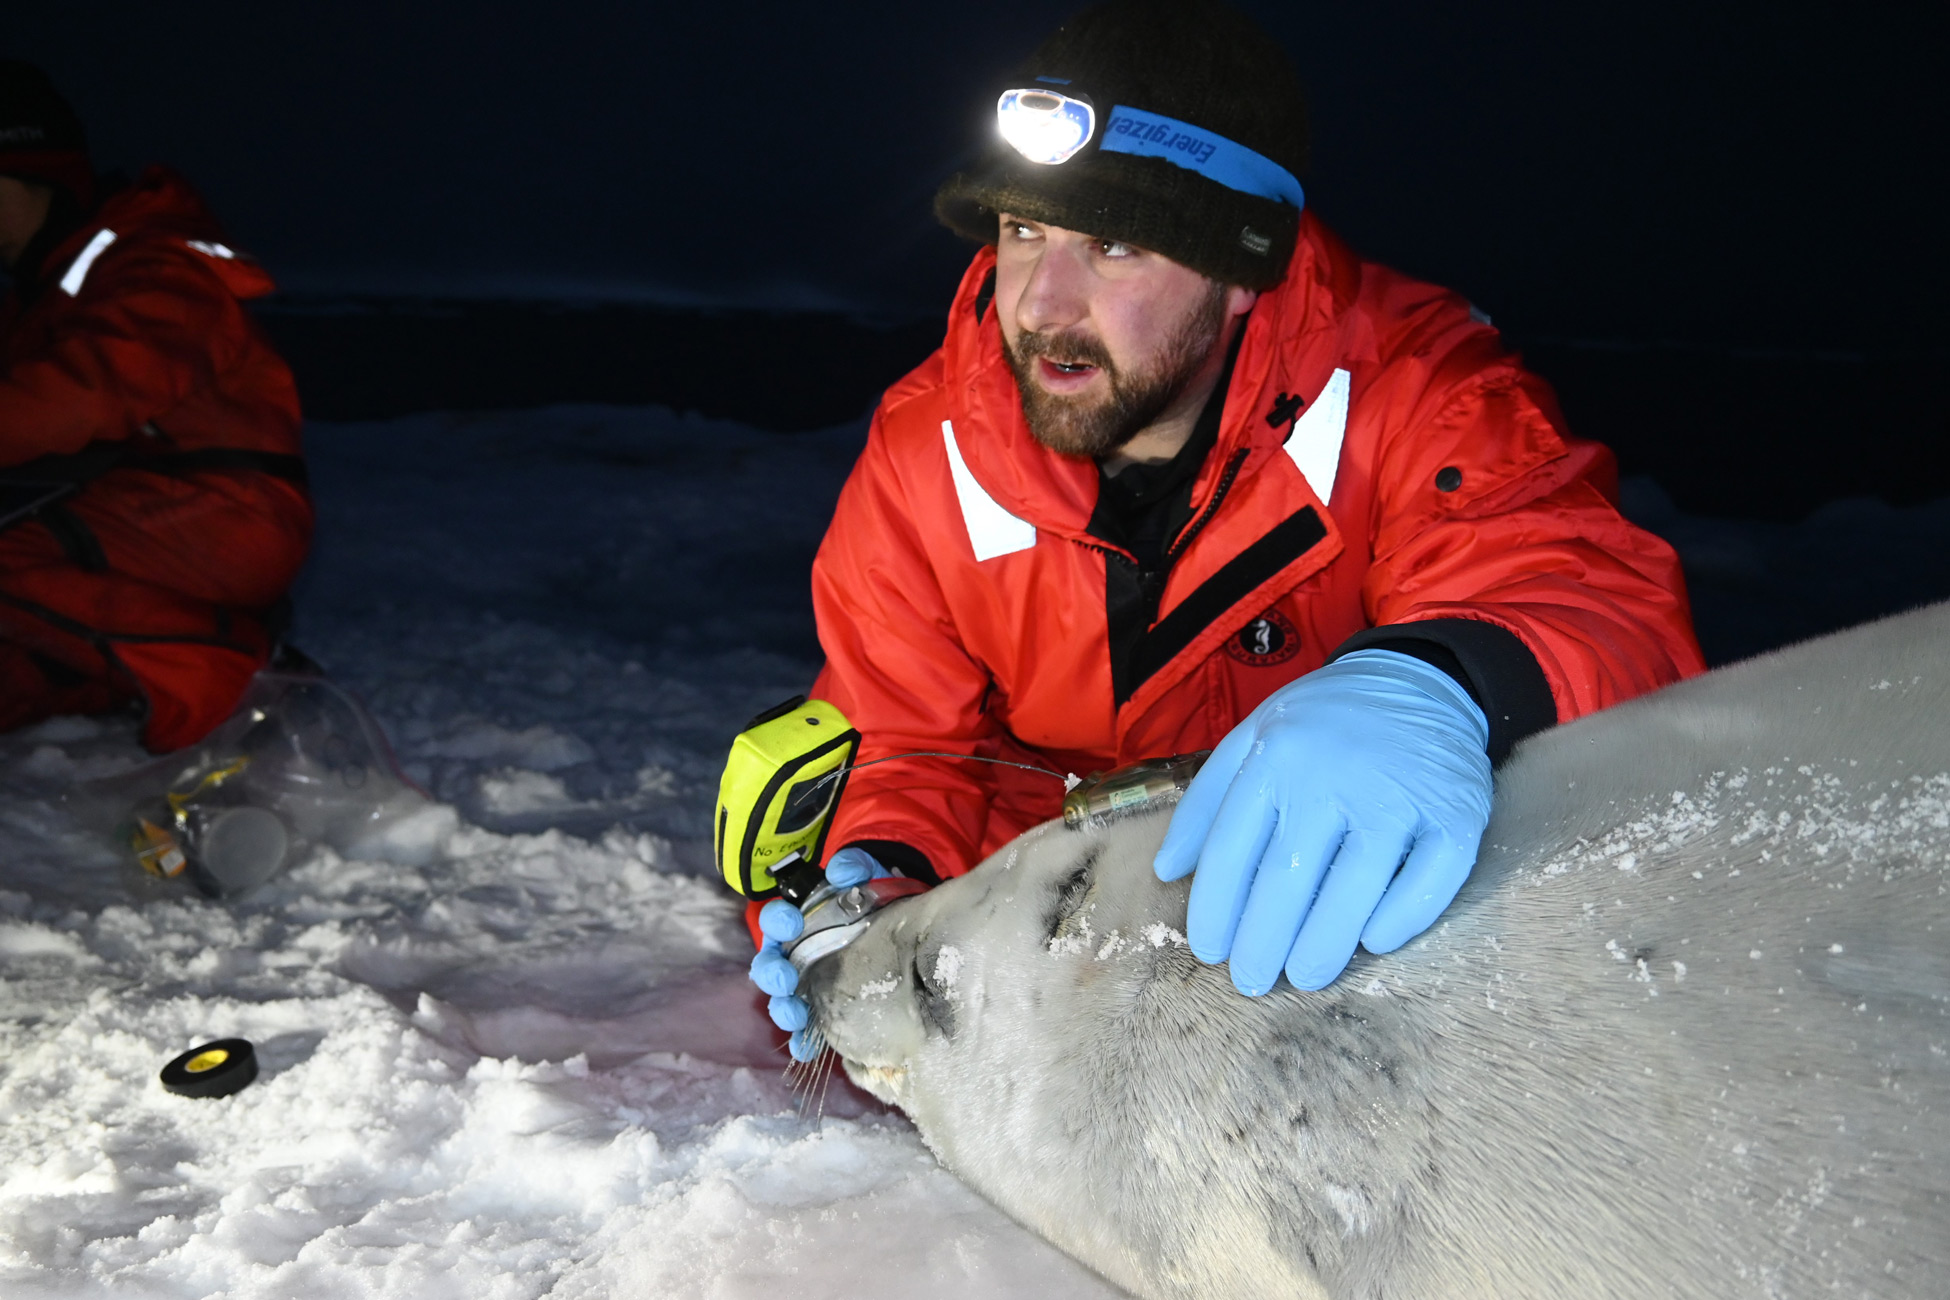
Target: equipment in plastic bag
300,764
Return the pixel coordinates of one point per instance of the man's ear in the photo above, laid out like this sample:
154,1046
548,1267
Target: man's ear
1239,300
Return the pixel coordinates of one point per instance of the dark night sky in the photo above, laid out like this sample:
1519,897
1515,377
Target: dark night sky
1763,174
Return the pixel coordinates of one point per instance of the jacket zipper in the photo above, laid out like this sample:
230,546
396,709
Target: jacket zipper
1191,530
1197,525
1151,585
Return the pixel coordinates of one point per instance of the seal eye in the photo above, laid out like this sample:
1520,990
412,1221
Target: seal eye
1071,893
921,978
933,1004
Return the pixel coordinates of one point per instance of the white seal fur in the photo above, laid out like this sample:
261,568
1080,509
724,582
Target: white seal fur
1686,1032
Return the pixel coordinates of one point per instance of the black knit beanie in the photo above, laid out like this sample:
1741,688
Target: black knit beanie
41,138
1142,177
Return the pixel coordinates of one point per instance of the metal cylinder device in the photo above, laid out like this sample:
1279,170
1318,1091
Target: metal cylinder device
1106,794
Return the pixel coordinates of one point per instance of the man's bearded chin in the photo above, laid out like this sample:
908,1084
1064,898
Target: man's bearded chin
1096,426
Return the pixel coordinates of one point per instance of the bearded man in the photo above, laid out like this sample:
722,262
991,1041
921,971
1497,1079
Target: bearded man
1187,473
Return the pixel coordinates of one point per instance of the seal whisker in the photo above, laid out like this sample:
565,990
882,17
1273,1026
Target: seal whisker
792,1083
828,1059
800,1077
807,1078
816,1073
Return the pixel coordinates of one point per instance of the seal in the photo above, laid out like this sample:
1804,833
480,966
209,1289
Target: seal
1686,1031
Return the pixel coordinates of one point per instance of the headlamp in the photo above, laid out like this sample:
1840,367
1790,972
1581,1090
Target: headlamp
1049,127
1044,126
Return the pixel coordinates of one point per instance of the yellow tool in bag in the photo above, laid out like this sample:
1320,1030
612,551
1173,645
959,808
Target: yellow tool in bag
783,779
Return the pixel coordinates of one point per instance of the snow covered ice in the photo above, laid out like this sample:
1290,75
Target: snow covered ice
530,1064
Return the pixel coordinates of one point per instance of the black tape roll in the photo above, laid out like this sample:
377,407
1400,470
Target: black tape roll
212,1070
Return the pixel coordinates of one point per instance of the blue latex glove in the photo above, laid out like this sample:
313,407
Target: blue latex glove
781,923
1298,821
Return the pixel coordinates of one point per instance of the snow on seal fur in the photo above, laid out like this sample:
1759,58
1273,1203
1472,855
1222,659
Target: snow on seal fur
1686,1032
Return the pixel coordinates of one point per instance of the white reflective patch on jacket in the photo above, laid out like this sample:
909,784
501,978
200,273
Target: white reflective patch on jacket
223,251
992,531
1315,443
78,271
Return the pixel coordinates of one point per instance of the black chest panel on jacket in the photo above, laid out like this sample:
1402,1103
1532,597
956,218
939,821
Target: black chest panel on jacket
1147,511
1144,509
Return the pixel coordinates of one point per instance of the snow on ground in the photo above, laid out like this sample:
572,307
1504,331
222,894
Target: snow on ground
532,1065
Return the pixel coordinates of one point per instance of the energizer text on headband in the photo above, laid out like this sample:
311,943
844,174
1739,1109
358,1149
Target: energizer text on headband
1049,128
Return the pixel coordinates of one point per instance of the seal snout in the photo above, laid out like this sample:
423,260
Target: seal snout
866,1020
817,986
862,999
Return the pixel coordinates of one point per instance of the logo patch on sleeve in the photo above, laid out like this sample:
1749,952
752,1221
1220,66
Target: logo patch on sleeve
1267,640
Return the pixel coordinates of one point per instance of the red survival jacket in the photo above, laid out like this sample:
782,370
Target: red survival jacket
133,347
1382,460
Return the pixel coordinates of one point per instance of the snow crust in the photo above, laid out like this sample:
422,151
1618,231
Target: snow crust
531,1065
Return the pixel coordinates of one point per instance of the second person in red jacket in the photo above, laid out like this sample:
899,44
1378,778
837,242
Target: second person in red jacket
153,505
1187,473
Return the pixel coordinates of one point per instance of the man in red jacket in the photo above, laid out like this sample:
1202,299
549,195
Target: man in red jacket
153,508
1187,474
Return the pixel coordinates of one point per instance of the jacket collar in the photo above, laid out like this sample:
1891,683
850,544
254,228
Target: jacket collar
1296,334
161,205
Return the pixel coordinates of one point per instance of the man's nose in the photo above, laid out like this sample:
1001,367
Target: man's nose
1055,296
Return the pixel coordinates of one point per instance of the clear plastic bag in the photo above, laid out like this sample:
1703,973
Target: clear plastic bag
300,764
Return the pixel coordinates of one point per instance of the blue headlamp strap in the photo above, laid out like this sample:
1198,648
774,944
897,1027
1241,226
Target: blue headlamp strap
1153,135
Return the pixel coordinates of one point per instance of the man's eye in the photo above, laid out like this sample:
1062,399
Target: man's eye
1112,248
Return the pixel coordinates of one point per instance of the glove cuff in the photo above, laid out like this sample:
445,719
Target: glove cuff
897,856
1425,677
1492,663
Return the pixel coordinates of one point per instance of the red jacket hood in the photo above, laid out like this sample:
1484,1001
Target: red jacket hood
161,207
1058,493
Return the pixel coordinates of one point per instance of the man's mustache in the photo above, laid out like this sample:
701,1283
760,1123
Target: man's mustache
1068,349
